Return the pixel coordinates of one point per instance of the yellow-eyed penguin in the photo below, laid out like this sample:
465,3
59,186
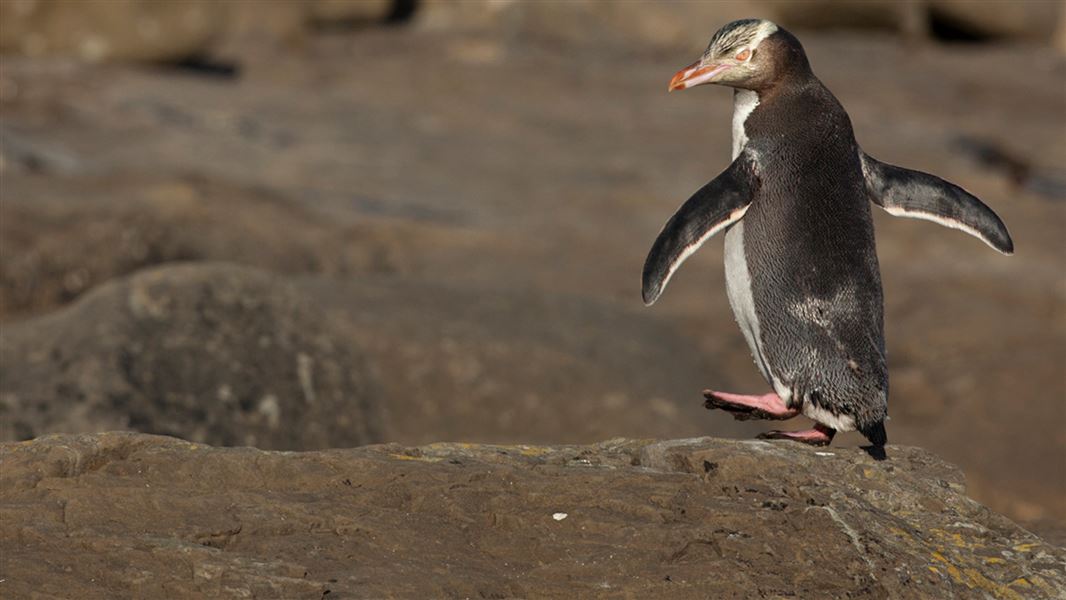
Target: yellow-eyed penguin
801,266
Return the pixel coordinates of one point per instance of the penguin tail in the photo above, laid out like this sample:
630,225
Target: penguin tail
878,438
875,433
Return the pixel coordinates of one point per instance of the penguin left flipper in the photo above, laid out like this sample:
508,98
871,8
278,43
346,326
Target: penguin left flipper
906,193
715,206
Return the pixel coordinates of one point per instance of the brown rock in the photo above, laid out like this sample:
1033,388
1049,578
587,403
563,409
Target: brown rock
212,353
669,23
119,515
164,30
99,30
485,364
56,248
678,22
291,19
1003,20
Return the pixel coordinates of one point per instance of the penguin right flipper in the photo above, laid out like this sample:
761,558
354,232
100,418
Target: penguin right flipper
906,193
720,203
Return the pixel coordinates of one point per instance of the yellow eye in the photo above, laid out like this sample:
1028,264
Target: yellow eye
744,55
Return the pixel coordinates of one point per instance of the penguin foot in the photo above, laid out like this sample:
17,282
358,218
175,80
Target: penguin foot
742,407
819,436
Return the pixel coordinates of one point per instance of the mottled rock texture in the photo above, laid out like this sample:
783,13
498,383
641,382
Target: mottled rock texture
129,515
215,353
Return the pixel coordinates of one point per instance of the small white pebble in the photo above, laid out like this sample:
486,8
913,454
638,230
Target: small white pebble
825,454
559,516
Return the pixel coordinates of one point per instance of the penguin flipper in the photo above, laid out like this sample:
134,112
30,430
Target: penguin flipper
906,193
717,205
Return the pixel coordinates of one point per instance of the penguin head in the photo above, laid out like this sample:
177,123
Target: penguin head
750,54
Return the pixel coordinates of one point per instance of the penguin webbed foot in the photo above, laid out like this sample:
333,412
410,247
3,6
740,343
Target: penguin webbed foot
819,436
744,407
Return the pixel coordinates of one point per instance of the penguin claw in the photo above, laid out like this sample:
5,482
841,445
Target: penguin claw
743,408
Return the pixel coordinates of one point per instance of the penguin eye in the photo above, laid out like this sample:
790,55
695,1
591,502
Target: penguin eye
744,54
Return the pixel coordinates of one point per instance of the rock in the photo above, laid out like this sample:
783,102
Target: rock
502,364
212,353
906,17
485,364
62,236
99,30
121,515
165,30
666,24
291,20
672,23
1033,21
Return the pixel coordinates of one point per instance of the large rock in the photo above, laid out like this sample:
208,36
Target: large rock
670,23
97,30
1034,21
62,236
486,364
212,353
164,30
124,515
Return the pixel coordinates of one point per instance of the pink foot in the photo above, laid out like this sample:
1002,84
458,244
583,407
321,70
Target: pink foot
819,436
767,406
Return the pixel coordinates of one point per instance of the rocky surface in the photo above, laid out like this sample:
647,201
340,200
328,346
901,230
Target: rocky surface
214,353
129,515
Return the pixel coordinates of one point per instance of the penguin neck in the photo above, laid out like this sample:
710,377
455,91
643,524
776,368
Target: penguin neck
744,103
794,78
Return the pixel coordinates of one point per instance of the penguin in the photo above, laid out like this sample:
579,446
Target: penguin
801,266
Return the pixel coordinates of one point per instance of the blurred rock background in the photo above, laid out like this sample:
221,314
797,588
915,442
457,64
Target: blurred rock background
322,223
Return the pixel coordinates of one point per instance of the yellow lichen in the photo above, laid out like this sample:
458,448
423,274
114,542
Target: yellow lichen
972,578
899,532
956,539
996,589
418,458
952,570
534,450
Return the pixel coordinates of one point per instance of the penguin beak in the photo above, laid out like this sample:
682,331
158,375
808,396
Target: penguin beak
695,74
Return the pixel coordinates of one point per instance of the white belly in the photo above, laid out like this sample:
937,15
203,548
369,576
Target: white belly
737,275
738,288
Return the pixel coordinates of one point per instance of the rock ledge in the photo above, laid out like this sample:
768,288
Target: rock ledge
122,514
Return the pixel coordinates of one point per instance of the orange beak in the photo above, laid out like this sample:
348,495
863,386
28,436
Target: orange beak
694,75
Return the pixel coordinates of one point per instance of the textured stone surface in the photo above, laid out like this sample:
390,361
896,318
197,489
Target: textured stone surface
213,353
127,515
